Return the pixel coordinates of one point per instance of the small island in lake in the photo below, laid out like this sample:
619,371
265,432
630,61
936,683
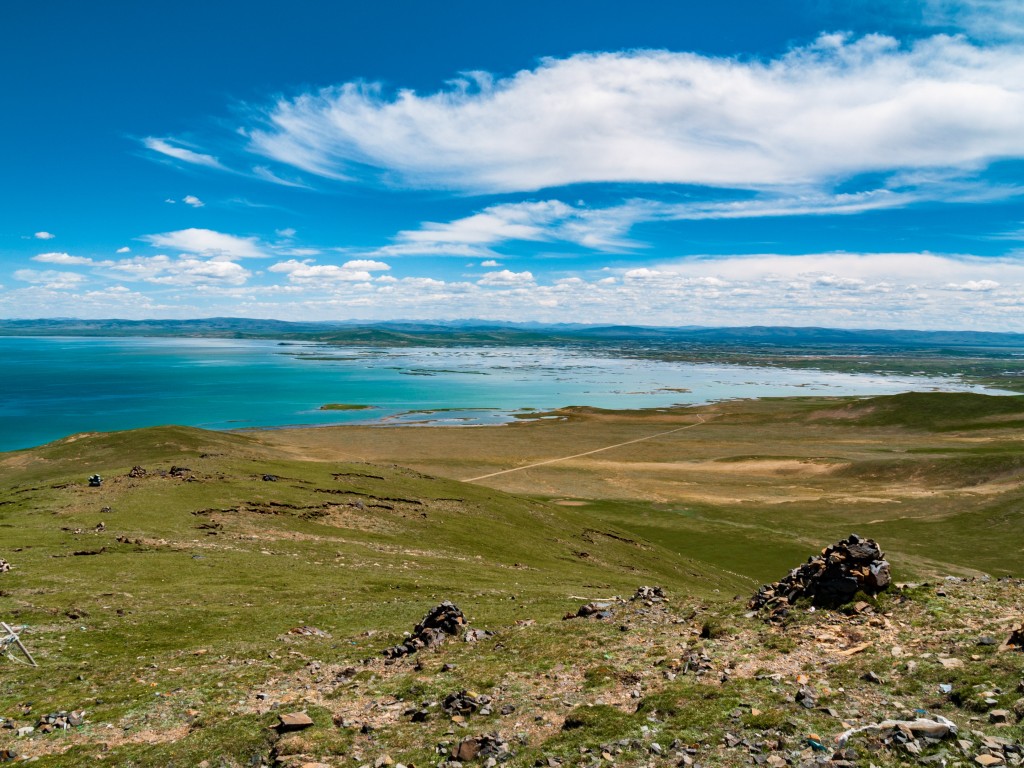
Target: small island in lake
345,407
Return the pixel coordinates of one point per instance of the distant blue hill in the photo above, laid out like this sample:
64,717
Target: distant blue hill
489,332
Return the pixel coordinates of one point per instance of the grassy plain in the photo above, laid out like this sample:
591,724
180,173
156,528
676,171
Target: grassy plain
166,622
936,476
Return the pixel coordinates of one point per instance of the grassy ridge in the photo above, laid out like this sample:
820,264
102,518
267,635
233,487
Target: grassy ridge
206,571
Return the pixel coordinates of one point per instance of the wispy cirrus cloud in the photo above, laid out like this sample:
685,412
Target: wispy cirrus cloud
607,229
982,19
182,153
827,111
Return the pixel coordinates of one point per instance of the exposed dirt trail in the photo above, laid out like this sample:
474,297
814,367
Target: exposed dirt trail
585,453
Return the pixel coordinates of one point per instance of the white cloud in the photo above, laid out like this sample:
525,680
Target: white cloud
50,278
124,249
536,221
287,232
506,278
208,243
183,271
983,19
833,109
262,172
301,252
607,229
61,258
974,286
164,147
366,264
192,200
44,236
901,290
308,272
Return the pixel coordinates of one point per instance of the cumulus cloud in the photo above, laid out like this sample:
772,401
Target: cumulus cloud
506,278
192,200
209,244
184,154
366,264
489,263
829,270
833,109
183,271
44,236
123,249
308,272
61,258
50,278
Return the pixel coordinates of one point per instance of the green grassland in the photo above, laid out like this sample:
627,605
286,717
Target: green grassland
165,622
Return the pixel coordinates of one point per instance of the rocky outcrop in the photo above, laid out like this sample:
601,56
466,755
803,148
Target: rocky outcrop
832,578
440,622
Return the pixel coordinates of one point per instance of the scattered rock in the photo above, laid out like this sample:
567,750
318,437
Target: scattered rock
270,478
60,721
989,760
308,632
595,610
485,745
179,471
649,594
293,721
137,471
1014,640
4,566
464,703
905,730
831,578
440,622
475,635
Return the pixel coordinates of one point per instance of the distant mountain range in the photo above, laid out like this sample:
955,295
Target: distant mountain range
408,333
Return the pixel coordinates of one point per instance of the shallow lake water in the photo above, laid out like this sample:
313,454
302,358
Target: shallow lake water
55,386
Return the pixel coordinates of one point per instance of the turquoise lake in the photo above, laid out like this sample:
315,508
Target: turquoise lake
53,387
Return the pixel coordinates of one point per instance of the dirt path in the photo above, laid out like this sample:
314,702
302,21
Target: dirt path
585,453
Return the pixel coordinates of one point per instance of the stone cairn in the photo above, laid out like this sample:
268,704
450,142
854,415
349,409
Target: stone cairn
60,721
440,622
831,578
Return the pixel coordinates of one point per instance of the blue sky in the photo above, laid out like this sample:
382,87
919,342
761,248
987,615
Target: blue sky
809,162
